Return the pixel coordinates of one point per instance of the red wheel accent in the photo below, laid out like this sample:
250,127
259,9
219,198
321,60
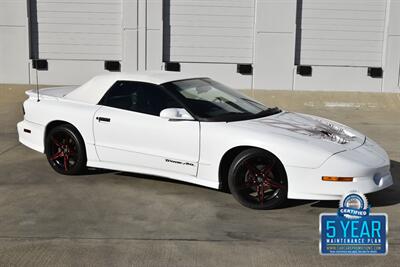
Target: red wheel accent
260,179
56,142
63,151
252,169
57,155
260,193
66,162
272,184
267,169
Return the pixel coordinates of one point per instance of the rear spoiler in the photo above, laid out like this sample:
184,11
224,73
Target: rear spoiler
51,93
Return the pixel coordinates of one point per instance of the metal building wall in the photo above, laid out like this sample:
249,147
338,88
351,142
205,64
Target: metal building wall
14,50
77,29
270,43
75,37
391,61
340,40
342,32
218,31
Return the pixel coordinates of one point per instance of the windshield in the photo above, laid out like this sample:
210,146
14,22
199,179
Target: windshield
210,100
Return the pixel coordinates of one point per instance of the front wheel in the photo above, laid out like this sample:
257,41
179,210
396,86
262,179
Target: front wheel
65,150
257,179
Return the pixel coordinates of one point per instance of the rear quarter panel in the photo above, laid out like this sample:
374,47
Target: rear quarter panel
80,115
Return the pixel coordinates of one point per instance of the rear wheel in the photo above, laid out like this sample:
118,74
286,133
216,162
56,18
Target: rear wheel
65,150
257,179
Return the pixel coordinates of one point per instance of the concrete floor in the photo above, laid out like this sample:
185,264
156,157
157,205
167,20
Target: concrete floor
120,219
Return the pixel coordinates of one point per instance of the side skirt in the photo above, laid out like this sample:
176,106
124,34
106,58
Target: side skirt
158,173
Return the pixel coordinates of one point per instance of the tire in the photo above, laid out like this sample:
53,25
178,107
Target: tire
257,180
65,150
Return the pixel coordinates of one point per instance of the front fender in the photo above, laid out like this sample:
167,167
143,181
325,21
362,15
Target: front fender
217,139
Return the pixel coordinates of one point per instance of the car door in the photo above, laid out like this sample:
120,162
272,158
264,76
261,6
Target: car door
129,131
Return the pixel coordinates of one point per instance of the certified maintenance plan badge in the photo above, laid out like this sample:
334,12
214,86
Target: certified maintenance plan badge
353,230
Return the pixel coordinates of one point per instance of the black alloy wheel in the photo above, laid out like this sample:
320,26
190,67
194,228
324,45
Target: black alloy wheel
257,179
65,150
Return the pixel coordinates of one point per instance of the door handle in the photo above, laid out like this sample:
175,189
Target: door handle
103,119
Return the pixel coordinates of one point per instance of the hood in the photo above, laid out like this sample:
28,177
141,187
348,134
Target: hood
320,131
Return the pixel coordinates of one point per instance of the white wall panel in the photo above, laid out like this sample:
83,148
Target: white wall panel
14,63
68,72
154,48
130,14
154,17
13,12
328,78
130,55
391,78
394,17
219,31
225,73
391,81
274,54
341,32
78,29
14,51
273,67
277,16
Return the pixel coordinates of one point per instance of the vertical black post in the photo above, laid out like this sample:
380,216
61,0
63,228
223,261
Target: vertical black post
33,35
299,18
33,29
166,30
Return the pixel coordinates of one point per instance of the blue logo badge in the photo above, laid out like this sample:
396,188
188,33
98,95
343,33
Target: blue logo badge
353,230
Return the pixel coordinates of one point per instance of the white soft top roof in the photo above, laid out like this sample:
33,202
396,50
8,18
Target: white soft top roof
92,91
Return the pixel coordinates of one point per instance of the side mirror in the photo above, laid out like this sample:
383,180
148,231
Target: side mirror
176,114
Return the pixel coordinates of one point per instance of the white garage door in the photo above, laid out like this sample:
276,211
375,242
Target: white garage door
342,32
77,29
208,31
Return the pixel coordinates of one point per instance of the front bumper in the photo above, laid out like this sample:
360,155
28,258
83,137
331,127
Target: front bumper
31,135
368,164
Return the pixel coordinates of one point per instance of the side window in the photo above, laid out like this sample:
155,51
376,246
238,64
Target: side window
139,97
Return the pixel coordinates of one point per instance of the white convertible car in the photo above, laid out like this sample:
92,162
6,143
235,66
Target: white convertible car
196,130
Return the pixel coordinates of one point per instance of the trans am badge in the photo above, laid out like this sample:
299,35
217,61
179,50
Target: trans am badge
353,230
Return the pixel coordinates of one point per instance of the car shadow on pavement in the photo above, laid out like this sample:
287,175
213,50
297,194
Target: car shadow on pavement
290,203
94,171
387,197
297,202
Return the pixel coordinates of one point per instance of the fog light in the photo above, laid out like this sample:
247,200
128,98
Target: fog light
337,179
377,179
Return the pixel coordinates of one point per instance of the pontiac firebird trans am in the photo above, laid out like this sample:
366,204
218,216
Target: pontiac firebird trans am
196,130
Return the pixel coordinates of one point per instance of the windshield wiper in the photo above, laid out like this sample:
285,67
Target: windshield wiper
268,112
238,116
